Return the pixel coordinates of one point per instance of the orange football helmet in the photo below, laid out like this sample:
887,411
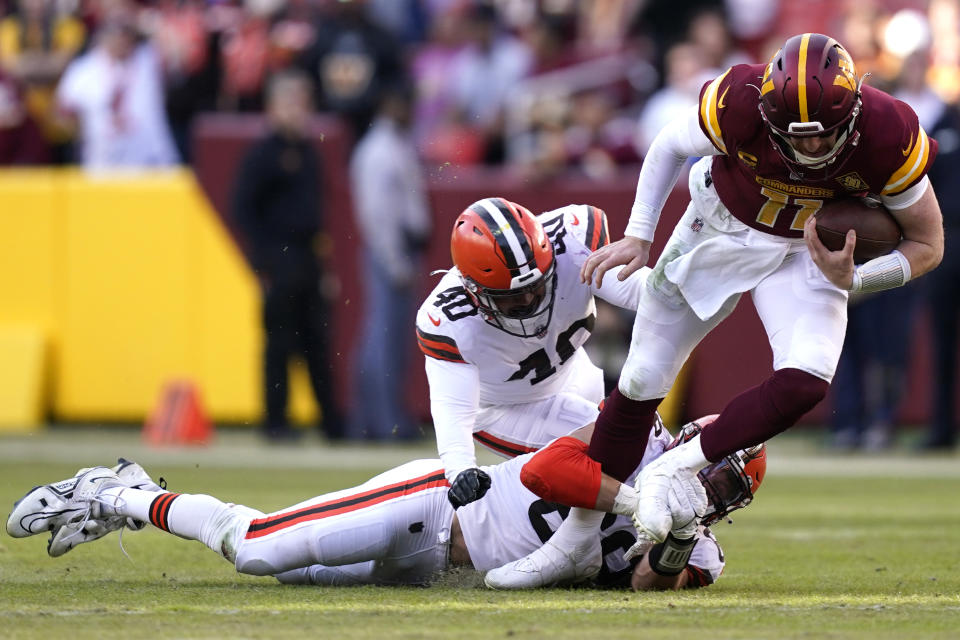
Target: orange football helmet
507,265
730,483
810,88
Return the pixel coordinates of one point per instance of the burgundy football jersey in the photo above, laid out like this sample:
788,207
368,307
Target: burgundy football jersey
893,154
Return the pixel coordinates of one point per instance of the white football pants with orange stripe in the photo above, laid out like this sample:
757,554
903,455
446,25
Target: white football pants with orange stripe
514,429
392,529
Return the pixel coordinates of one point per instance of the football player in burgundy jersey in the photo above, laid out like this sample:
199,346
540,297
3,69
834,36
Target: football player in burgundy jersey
396,528
776,141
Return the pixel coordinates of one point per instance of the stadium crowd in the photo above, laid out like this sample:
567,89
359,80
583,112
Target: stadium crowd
541,86
544,85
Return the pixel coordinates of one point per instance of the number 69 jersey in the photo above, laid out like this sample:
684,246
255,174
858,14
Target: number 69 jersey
510,389
511,521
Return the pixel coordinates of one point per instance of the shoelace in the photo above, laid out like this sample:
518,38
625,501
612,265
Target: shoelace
108,524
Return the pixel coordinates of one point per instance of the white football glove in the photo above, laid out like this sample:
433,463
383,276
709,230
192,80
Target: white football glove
688,502
670,500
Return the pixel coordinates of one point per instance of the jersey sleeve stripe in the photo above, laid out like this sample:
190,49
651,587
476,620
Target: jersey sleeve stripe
260,527
596,228
439,347
439,354
709,115
435,338
913,168
498,445
697,577
604,231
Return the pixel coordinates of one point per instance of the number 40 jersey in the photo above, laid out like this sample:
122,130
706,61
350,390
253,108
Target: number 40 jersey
472,365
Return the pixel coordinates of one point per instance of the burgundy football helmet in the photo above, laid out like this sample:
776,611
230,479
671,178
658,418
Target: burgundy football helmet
730,483
810,88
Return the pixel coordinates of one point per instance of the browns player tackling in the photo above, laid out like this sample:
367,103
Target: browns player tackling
777,141
396,528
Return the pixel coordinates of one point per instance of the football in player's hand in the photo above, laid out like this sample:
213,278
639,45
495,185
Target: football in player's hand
877,232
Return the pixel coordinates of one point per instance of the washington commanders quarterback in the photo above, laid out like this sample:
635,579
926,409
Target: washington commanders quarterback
777,141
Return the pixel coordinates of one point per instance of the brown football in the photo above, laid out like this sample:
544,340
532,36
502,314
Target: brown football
877,232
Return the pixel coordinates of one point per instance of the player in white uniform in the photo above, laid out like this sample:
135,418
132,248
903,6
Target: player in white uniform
396,528
503,333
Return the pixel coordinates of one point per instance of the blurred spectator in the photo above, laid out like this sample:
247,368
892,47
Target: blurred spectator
115,94
752,23
245,53
187,48
36,43
604,25
407,20
942,122
277,205
394,222
440,135
21,141
871,374
708,30
486,71
352,59
685,70
598,140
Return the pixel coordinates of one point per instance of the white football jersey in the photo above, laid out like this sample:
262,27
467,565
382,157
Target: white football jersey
510,522
472,364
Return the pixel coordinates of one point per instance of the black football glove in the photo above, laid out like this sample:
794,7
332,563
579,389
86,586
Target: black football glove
469,485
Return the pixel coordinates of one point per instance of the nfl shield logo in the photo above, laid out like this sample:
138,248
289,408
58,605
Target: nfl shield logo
697,225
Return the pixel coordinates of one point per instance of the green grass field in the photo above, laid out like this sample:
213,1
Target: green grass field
833,547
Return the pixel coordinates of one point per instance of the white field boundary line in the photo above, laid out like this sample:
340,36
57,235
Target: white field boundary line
246,451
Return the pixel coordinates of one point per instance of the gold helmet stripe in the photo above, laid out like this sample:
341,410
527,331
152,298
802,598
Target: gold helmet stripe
802,77
912,168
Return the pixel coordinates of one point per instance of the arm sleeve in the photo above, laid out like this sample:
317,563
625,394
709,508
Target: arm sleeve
624,294
454,402
681,139
906,198
707,561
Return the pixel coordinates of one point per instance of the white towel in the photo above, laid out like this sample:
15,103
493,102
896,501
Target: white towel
723,265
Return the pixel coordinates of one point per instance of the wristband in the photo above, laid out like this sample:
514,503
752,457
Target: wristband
671,556
886,272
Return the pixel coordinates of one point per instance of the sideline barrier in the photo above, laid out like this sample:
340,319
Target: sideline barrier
133,281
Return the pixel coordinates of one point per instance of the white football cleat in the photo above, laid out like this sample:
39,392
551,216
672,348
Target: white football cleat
65,538
71,534
545,567
135,477
51,506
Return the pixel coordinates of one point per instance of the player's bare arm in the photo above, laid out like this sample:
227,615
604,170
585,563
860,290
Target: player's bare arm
922,225
922,244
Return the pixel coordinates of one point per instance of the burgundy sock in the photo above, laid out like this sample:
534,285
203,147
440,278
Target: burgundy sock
758,414
620,436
